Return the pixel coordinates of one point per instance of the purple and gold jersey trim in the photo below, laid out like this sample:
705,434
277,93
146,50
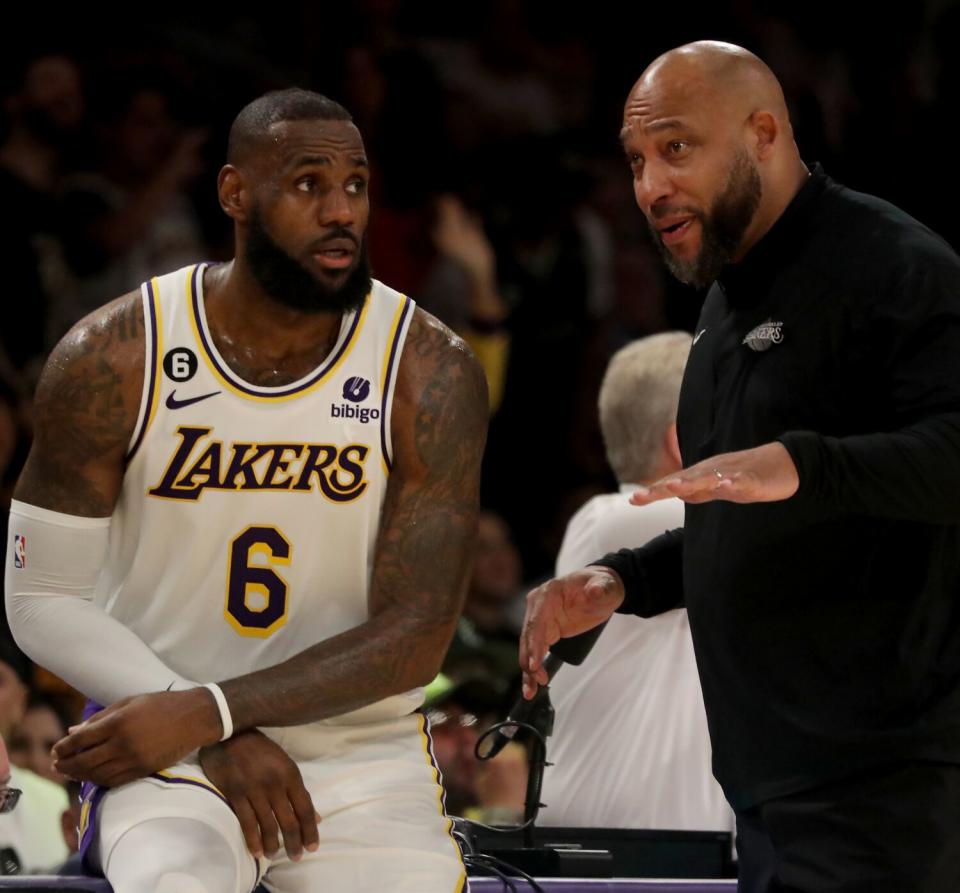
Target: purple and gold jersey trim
441,795
151,368
241,388
393,348
169,778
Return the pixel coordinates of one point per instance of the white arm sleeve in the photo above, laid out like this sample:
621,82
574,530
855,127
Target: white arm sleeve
53,563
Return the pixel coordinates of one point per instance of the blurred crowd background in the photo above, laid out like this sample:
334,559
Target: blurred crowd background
501,202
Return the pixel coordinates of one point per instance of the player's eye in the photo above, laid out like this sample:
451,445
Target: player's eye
305,184
676,147
357,187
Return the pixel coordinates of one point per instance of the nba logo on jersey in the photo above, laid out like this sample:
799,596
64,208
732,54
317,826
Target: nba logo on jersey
19,551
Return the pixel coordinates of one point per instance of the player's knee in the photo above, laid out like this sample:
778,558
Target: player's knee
177,855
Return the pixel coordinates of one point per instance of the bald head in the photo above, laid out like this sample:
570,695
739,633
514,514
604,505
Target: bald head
715,72
708,137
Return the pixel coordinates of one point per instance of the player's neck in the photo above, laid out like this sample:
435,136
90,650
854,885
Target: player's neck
259,336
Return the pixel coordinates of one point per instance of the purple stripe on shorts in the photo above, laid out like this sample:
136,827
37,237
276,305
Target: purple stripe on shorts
91,794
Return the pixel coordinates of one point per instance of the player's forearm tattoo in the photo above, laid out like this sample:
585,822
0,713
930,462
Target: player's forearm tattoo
85,410
423,556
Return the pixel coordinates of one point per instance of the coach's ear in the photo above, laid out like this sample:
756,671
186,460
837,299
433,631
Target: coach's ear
232,191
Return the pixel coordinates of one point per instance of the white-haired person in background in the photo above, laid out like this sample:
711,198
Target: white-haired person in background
630,746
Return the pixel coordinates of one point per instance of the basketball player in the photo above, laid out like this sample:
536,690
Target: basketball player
244,526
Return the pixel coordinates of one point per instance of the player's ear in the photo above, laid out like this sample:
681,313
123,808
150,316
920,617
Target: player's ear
232,190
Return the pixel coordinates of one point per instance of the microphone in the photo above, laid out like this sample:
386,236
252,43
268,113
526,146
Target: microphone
564,651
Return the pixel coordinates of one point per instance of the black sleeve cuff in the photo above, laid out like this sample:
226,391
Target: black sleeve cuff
652,576
805,449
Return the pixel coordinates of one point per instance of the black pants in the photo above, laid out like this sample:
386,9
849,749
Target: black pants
893,830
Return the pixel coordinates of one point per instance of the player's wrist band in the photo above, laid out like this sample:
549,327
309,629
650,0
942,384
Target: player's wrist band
226,719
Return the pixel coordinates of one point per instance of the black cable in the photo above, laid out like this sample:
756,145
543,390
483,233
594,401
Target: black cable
497,865
463,840
505,879
502,725
492,863
507,829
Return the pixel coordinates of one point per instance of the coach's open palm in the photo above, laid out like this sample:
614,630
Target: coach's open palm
762,474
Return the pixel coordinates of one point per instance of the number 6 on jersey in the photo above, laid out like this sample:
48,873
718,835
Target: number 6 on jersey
256,594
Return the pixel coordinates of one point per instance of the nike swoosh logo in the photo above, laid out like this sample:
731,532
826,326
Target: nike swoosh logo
174,403
696,337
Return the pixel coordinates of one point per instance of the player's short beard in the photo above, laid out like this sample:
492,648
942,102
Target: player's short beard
722,228
290,283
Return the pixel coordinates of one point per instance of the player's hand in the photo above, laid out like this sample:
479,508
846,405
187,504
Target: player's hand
561,608
763,474
136,736
265,789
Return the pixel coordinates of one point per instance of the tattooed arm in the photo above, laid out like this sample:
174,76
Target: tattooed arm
86,409
422,559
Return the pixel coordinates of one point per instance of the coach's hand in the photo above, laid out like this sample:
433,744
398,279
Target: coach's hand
136,736
265,789
561,608
764,474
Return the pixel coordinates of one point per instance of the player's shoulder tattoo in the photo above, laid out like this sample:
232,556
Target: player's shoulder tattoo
85,409
430,512
448,393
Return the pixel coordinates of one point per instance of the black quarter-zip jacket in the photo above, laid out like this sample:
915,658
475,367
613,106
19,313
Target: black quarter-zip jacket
826,626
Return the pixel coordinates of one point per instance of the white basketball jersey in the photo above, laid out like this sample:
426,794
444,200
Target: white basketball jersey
246,526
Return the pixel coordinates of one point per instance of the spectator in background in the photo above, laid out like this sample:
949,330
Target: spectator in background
545,270
32,739
31,839
131,219
630,747
485,643
13,447
14,687
491,792
43,109
464,292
